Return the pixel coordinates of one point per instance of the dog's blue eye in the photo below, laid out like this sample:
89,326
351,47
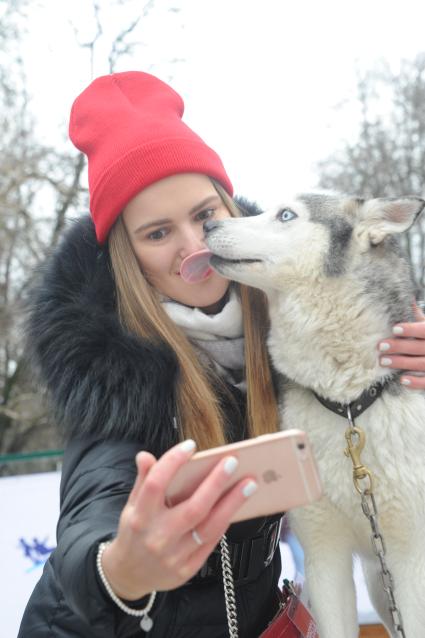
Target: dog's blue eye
285,215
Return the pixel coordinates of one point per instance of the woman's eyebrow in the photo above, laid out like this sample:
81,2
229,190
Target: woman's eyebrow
157,222
165,220
204,202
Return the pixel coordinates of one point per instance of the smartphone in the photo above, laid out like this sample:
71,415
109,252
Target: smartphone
282,463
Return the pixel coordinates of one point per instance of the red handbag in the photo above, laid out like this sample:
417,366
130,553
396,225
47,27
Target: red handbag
293,620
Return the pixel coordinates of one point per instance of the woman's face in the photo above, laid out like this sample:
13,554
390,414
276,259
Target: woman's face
164,223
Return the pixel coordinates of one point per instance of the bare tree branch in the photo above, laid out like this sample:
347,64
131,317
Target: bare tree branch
68,200
120,47
387,157
91,44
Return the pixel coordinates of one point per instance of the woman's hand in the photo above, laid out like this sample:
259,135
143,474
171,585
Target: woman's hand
406,351
154,548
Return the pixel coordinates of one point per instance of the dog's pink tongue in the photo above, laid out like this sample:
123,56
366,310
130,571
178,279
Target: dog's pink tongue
196,267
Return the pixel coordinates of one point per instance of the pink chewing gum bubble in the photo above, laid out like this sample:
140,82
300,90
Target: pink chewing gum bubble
196,267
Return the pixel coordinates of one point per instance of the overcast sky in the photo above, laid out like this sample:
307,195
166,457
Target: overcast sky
260,80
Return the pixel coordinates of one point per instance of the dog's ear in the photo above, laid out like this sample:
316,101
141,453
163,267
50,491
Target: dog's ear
382,216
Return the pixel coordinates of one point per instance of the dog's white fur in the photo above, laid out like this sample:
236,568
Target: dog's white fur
327,314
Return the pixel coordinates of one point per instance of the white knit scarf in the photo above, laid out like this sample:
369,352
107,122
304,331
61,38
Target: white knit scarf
218,337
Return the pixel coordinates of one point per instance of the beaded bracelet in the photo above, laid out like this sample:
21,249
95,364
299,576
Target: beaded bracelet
146,622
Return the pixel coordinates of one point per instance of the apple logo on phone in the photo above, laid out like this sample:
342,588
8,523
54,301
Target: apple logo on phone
271,475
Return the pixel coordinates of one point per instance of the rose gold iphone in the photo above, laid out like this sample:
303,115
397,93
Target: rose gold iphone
282,463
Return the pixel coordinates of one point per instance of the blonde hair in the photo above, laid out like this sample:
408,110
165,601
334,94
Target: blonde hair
197,404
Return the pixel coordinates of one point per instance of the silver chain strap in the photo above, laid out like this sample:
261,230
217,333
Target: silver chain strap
356,439
380,550
229,588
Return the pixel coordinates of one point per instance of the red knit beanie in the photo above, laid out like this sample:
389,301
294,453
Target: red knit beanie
129,126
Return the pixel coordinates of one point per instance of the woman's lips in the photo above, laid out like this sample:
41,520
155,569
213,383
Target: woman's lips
196,267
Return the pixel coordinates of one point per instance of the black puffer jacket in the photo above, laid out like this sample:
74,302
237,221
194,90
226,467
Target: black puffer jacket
113,396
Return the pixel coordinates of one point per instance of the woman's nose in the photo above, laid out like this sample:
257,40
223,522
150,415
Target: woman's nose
192,240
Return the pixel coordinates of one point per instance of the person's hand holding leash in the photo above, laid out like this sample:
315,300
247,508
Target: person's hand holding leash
159,547
406,351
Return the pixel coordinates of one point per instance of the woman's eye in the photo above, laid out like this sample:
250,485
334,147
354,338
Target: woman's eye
285,215
203,215
156,235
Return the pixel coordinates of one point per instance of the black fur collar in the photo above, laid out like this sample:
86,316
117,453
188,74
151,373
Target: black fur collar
101,380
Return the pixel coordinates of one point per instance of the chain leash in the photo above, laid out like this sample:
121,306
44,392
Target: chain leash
229,588
356,439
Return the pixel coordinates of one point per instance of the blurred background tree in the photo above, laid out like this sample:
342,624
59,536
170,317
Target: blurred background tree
34,178
386,158
40,189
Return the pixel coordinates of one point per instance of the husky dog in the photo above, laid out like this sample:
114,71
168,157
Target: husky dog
336,284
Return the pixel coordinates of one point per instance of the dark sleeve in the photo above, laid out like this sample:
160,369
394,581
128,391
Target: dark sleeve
97,478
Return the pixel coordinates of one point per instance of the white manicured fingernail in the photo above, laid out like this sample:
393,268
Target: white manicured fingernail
405,381
385,361
384,346
250,488
230,464
398,330
188,446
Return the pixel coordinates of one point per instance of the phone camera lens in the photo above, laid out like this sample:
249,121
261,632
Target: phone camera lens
302,451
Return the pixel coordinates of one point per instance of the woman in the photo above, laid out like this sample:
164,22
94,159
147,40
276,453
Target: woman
136,359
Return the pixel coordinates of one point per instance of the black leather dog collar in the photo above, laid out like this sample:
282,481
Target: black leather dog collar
359,405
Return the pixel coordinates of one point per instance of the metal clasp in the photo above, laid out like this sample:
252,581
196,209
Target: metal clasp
356,439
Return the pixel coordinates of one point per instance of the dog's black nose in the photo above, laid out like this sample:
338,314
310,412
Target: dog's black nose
209,226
